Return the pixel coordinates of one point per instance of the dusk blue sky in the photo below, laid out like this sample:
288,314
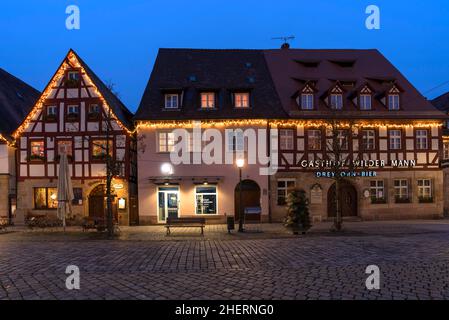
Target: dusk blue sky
119,39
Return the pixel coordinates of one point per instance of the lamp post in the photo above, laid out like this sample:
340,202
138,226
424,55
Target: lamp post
240,163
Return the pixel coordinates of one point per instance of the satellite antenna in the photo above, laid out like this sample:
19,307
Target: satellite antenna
286,40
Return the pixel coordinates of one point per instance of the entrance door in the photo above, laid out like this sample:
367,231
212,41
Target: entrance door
168,203
97,202
347,197
250,197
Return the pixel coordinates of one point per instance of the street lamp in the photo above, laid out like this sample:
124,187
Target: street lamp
167,169
240,163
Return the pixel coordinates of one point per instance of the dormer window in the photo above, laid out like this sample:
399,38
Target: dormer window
336,101
365,102
207,100
307,101
241,100
171,101
393,102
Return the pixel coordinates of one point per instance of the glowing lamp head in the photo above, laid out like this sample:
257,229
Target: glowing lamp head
167,169
240,162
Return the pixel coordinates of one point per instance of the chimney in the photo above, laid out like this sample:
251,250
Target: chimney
285,45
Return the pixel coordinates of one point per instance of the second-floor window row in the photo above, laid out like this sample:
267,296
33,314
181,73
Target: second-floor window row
209,100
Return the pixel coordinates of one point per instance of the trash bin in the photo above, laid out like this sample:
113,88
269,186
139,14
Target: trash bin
231,223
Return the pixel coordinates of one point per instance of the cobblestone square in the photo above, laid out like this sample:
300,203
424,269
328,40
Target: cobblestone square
143,263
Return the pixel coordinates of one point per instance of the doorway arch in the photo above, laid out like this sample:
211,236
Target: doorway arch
347,197
97,201
250,196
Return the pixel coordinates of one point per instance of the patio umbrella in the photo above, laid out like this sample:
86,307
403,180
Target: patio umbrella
65,190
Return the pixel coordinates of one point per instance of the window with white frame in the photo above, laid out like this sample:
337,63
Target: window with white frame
284,186
236,141
286,137
171,101
393,101
445,150
395,139
207,100
377,190
368,139
365,102
307,101
206,199
421,139
166,141
424,189
241,100
314,139
51,110
336,101
401,189
73,110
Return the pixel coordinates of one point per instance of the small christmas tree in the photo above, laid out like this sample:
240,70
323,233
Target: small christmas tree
297,211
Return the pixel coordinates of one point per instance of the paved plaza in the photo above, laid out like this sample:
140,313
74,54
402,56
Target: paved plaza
264,263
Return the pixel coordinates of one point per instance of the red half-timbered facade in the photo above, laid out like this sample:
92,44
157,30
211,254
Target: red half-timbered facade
77,112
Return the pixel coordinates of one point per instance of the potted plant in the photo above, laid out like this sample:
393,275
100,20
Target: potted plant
298,216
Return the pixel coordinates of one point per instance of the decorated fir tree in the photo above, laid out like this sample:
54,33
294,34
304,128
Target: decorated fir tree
297,217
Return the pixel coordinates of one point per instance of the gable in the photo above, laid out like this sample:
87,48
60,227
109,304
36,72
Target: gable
91,89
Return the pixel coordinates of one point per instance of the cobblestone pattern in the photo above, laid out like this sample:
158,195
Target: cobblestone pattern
413,260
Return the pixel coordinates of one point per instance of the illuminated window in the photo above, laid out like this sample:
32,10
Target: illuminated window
166,141
365,102
241,100
284,186
207,100
37,150
314,139
336,101
307,101
45,198
421,139
100,149
286,137
393,102
171,101
395,139
206,200
368,139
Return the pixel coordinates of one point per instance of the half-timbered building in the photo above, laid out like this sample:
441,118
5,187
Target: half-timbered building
389,134
16,100
78,114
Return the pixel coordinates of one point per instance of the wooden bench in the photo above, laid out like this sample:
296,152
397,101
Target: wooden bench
185,223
